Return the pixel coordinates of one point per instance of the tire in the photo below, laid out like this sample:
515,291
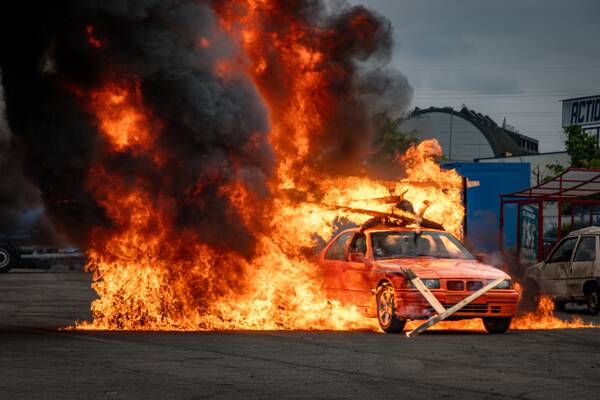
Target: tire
386,310
496,325
592,299
8,257
531,296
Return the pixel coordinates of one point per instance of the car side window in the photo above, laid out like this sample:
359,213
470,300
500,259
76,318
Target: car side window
563,251
586,250
337,250
358,244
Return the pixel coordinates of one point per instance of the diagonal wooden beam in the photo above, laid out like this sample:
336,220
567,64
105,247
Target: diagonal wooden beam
418,283
435,303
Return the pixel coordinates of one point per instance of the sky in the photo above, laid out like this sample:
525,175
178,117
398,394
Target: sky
513,59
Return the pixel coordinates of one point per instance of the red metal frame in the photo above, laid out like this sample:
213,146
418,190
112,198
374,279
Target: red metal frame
561,195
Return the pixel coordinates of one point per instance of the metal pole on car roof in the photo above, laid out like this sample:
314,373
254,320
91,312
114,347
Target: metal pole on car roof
560,196
519,231
541,230
501,238
465,187
450,139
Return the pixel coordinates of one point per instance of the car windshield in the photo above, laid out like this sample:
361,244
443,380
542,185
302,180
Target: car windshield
409,244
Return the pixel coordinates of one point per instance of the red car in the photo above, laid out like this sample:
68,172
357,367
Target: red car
365,269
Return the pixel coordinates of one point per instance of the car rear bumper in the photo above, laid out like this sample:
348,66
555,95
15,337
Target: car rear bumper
495,303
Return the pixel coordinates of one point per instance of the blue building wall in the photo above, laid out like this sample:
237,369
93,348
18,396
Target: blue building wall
483,202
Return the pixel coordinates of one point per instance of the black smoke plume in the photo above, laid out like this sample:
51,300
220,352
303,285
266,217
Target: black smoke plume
207,121
22,217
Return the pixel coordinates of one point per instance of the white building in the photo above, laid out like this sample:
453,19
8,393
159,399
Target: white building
539,163
466,135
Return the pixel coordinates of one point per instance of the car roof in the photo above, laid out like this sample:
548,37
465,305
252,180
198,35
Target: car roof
590,230
383,228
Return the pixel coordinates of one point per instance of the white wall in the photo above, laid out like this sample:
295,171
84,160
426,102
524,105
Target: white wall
539,163
460,140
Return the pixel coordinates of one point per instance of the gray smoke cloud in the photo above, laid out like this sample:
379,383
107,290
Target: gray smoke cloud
385,90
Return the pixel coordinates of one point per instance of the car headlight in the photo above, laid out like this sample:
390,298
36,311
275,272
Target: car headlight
432,283
429,283
505,284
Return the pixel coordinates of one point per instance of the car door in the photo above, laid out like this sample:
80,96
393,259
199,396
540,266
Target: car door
582,267
554,271
356,274
334,260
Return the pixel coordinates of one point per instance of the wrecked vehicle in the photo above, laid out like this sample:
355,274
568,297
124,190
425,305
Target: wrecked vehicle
571,273
19,249
364,267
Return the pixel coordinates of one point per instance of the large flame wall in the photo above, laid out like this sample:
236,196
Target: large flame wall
152,274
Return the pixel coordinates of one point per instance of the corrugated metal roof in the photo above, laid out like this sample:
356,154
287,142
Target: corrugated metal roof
574,183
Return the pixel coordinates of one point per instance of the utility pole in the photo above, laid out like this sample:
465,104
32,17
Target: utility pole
450,146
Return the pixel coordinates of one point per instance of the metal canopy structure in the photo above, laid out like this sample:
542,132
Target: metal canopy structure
575,186
574,183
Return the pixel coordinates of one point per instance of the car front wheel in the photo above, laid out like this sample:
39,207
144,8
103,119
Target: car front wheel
592,298
496,325
386,310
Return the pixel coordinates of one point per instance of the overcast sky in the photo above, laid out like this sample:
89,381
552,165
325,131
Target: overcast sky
505,58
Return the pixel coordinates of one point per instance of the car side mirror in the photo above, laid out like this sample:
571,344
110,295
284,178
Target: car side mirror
480,257
356,257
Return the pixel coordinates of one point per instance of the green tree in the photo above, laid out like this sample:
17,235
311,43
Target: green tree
388,140
583,149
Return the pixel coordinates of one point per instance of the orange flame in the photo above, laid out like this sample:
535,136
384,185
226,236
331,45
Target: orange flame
121,117
543,318
151,275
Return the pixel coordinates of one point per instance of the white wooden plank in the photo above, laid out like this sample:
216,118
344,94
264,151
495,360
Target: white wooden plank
445,314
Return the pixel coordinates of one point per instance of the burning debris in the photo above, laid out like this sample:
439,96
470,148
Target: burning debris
402,214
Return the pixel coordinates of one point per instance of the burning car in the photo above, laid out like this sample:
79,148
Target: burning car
571,273
364,267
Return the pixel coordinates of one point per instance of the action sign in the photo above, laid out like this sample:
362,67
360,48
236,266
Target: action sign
584,111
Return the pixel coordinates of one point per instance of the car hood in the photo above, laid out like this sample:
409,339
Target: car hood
442,268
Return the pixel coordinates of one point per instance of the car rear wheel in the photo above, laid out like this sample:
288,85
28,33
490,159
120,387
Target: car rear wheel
496,325
386,310
592,298
8,257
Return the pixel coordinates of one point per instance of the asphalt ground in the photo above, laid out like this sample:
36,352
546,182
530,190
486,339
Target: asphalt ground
38,360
